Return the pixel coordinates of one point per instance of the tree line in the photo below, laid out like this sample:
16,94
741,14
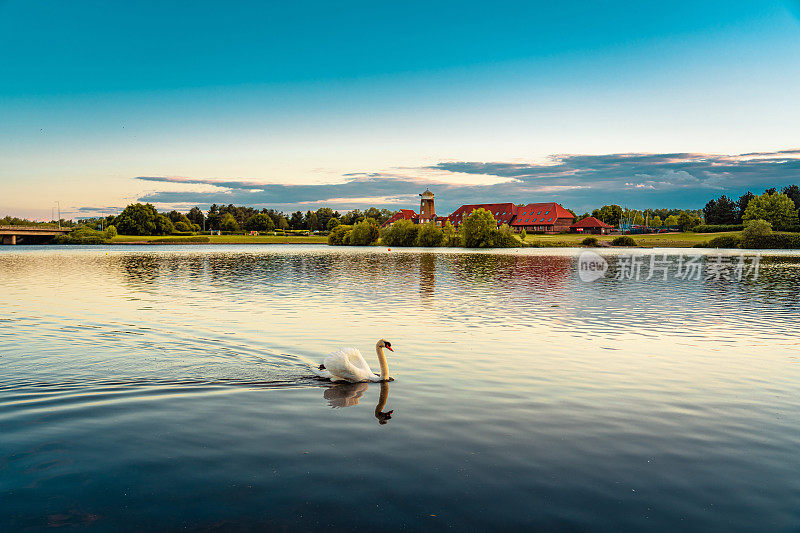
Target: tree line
780,209
144,219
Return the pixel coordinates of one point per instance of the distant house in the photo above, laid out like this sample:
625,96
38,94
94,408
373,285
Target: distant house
403,214
591,225
549,217
427,212
503,213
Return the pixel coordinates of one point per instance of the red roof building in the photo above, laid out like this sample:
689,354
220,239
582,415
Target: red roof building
503,213
549,217
403,214
591,225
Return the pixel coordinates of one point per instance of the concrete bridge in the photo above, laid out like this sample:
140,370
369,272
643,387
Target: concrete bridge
29,234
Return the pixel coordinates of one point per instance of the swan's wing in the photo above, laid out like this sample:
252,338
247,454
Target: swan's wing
357,360
340,365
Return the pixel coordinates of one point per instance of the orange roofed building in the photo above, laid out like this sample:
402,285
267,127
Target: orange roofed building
549,217
591,225
503,213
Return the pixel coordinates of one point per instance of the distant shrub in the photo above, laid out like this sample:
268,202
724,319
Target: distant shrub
773,241
182,227
791,229
365,233
401,233
589,241
479,230
623,240
111,232
754,232
715,228
337,236
82,235
724,241
430,235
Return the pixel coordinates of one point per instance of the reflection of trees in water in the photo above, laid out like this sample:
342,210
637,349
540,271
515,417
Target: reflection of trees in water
341,395
778,280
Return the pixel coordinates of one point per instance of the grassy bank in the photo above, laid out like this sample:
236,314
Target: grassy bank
656,240
221,239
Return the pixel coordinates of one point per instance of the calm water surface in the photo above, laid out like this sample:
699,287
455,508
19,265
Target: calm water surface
169,388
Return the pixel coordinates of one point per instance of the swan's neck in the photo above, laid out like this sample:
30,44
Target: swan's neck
382,361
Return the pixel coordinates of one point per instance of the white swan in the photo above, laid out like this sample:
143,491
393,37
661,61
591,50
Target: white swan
347,364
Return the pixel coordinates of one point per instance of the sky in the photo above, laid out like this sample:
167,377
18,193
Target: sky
299,105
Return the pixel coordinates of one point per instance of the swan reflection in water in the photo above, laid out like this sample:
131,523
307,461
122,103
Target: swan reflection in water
343,394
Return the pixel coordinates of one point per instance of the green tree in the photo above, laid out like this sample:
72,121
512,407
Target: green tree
137,219
196,216
610,214
655,222
332,223
479,229
401,233
687,221
228,223
111,232
430,235
182,226
312,223
296,222
720,211
671,220
259,222
164,225
741,205
450,234
339,235
365,233
756,228
776,208
793,192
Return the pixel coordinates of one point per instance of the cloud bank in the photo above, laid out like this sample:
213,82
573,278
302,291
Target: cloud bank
580,182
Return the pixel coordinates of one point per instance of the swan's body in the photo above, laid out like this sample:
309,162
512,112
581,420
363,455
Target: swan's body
347,364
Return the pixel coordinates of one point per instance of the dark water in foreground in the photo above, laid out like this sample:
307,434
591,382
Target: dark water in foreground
167,388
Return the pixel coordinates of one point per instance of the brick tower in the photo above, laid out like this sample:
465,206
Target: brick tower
427,212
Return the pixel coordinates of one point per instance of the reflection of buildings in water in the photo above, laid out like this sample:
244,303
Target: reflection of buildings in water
427,275
516,271
349,394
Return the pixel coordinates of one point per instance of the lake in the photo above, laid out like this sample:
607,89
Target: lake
168,387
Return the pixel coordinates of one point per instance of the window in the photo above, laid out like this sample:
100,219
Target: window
550,219
547,212
539,213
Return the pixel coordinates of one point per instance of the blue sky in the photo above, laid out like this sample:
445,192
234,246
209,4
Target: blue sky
349,104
